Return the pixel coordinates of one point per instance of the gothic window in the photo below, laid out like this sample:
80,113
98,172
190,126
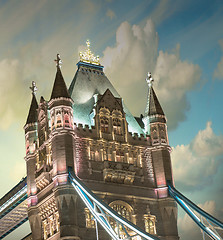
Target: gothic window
150,223
104,124
97,156
92,157
90,222
49,158
57,221
59,121
101,155
105,155
37,162
42,157
109,154
52,123
66,120
162,134
131,157
117,126
119,156
89,152
139,162
126,211
45,229
51,225
155,136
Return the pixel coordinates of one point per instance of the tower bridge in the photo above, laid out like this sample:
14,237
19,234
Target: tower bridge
94,171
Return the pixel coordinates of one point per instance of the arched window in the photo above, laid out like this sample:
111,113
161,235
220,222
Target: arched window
126,211
155,135
57,221
117,126
150,223
66,120
104,124
51,225
45,234
59,119
90,222
52,122
119,156
163,135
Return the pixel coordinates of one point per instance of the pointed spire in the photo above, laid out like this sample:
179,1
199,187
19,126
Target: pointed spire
32,116
153,106
42,99
59,87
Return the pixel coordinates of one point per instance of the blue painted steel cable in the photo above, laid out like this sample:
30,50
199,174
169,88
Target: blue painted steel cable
193,216
195,207
73,175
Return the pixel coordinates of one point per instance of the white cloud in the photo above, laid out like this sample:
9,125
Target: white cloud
195,164
173,79
218,72
188,229
134,54
128,61
207,144
126,65
110,14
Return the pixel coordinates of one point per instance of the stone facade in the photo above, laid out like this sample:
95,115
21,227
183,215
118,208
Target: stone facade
128,171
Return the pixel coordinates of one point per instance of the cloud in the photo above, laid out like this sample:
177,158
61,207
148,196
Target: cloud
15,21
163,10
126,64
207,144
173,79
218,72
16,76
188,229
195,164
11,91
134,54
110,14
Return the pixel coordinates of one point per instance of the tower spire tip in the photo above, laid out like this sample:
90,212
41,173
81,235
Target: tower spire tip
149,79
33,88
58,61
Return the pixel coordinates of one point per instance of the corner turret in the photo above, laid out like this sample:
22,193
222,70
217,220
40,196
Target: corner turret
31,123
32,144
60,104
154,118
63,153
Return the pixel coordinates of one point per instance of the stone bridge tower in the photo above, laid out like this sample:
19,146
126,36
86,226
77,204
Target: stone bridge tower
123,159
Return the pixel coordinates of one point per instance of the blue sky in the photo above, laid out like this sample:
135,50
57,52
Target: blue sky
180,42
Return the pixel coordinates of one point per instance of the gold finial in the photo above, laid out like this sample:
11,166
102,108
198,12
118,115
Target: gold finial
149,79
88,56
88,44
58,61
33,88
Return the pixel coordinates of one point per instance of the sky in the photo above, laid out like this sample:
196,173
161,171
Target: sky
179,42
